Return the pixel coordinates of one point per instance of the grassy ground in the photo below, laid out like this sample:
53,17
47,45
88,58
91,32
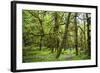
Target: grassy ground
34,55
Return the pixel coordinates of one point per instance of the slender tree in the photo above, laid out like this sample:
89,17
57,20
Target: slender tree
76,36
84,31
88,34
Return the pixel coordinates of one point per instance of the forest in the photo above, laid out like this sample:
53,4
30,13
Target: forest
55,36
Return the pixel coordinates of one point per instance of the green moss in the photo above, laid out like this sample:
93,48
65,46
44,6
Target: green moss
45,55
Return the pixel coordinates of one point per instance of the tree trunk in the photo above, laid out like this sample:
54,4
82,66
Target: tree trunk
76,42
88,35
41,31
84,33
41,42
63,43
56,30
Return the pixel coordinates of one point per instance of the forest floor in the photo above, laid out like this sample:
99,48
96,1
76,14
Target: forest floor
46,55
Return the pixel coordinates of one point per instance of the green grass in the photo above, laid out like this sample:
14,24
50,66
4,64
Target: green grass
45,55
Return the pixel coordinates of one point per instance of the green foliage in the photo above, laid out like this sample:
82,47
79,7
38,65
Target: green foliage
55,36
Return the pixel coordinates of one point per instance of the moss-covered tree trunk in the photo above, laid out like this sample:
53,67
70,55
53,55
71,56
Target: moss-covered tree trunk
56,31
63,43
88,35
84,33
76,36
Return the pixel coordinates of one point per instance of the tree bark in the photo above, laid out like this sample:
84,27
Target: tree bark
63,43
88,35
76,30
56,30
84,33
